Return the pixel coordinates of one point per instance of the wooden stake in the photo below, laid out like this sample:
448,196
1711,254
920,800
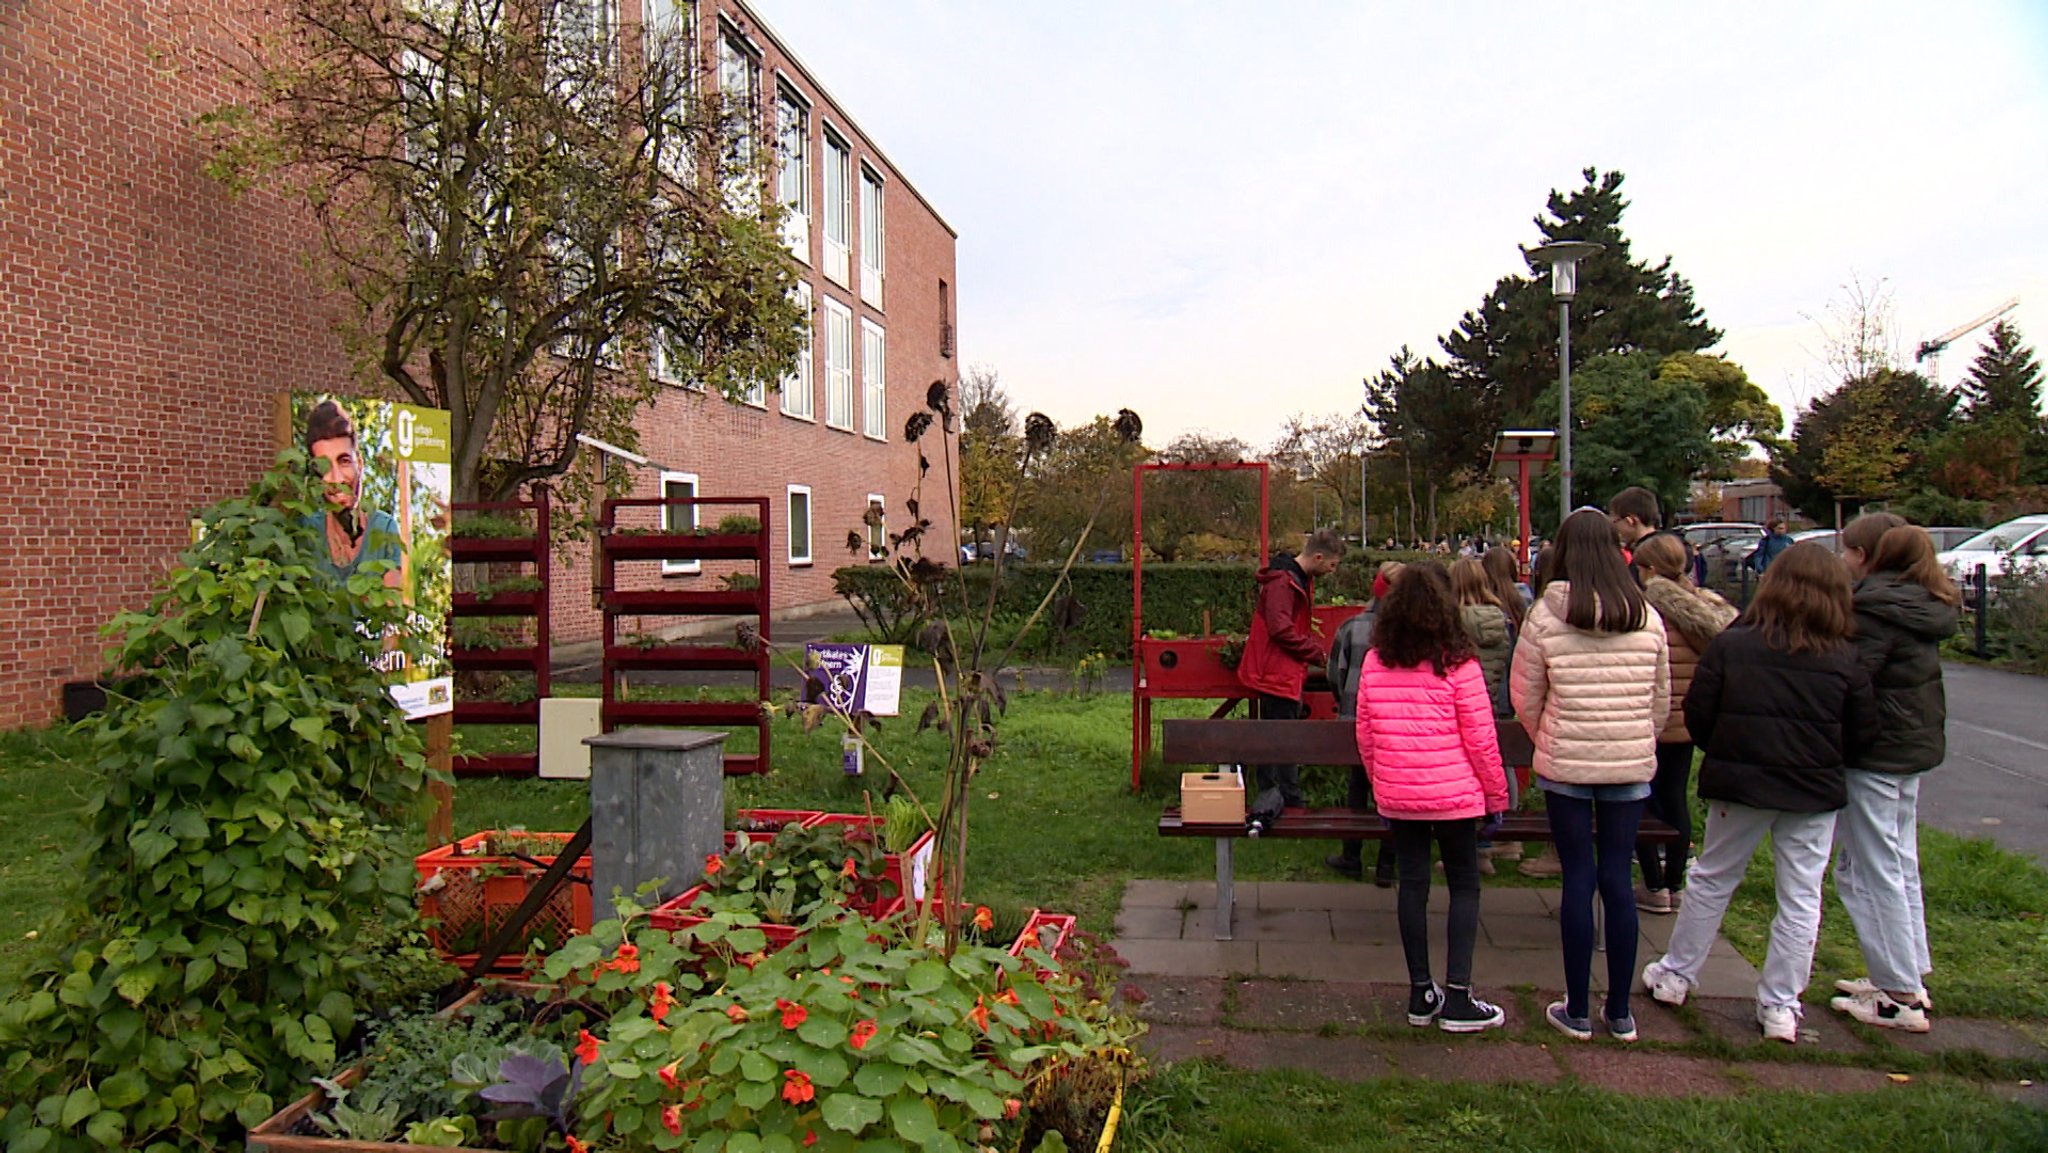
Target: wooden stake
440,745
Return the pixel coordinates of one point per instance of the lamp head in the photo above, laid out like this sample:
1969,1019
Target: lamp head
1563,257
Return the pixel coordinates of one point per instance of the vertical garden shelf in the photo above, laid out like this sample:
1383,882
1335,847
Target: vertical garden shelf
618,547
528,604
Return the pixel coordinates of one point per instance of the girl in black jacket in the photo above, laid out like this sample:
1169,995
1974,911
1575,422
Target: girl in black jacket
1781,707
1905,606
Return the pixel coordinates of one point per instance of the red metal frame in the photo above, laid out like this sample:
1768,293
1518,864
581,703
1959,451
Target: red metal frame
535,657
614,547
1204,677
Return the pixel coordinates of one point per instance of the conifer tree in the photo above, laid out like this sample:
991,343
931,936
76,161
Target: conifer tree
2004,382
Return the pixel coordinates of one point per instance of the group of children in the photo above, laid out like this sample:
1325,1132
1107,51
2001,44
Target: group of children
1816,709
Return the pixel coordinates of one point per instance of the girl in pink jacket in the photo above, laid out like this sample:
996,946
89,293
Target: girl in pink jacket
1426,738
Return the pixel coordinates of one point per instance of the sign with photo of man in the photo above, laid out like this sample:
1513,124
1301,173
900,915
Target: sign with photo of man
389,476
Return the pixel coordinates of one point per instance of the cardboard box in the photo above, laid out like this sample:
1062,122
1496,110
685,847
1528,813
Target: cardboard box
1212,798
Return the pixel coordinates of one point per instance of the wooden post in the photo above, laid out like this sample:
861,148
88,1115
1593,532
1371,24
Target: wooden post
440,757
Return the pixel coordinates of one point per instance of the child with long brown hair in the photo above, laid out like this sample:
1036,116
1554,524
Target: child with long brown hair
1693,617
1905,606
1782,707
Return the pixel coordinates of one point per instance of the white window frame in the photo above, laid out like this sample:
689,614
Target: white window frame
878,534
665,22
793,169
604,35
874,377
800,392
804,559
839,395
838,209
874,236
668,525
739,60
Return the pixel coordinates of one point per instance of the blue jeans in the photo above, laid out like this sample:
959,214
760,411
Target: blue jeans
1596,846
1877,875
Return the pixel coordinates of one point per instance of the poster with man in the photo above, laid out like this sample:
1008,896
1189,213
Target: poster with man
388,477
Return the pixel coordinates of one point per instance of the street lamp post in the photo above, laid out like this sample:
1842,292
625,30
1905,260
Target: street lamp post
1563,257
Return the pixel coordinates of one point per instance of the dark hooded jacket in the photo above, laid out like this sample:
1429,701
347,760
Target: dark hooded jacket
1899,630
1778,728
1282,642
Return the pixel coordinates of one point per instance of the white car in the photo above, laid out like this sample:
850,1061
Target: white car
2020,543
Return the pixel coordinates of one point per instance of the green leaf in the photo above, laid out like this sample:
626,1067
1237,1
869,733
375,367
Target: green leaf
310,729
879,1078
297,626
851,1112
33,1141
824,1032
925,977
135,984
82,1103
743,1143
755,1067
913,1118
754,1094
123,1089
108,1127
747,940
826,1068
198,972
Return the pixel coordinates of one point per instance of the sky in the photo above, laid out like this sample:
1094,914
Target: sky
1223,214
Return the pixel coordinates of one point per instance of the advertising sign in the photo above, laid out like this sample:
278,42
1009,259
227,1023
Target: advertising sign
855,678
389,479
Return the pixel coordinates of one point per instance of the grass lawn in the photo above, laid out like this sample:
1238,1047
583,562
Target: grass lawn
1054,825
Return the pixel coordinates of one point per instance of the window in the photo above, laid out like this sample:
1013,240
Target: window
838,178
799,524
872,238
679,518
582,61
739,76
877,520
793,177
838,365
668,43
945,321
874,377
797,391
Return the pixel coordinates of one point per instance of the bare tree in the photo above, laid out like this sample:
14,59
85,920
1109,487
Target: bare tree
1858,336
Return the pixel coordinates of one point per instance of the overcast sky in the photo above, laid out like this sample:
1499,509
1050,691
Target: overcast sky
1219,214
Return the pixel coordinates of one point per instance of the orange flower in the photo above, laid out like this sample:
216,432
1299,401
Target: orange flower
628,960
1011,1107
849,870
810,1138
1007,996
586,1047
979,1014
672,1120
793,1014
713,865
862,1034
663,1000
737,1013
668,1074
575,1146
796,1087
983,919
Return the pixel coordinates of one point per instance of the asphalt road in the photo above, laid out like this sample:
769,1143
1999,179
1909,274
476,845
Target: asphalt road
1995,783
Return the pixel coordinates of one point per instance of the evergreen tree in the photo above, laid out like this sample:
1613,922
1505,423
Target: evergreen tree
1508,346
2004,382
1865,434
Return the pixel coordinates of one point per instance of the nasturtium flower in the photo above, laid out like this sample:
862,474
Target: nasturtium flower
575,1146
983,919
862,1034
793,1014
668,1074
586,1047
663,1000
849,870
737,1013
979,1014
713,865
1011,1107
796,1087
672,1120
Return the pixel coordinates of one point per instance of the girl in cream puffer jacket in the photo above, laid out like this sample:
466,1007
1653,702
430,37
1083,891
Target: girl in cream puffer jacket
1579,693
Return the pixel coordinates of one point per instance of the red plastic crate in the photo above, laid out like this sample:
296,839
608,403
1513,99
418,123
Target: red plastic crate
804,818
466,894
674,915
1047,931
906,871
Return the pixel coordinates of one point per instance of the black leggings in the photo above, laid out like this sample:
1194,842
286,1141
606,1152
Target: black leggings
1459,843
1595,842
1286,778
1670,802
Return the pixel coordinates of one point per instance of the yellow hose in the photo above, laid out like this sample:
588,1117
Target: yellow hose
1109,1123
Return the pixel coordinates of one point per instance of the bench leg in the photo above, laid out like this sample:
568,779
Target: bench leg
1226,895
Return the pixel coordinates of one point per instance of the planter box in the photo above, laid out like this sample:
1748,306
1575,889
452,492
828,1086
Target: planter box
684,546
1047,931
803,818
676,914
1188,667
466,893
909,871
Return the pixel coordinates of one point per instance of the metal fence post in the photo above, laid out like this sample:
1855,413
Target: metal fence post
1981,585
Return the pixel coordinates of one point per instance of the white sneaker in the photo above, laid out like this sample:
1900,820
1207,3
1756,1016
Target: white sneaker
1780,1022
1880,1010
1664,984
1861,987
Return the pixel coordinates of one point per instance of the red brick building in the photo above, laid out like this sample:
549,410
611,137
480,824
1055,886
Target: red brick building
148,320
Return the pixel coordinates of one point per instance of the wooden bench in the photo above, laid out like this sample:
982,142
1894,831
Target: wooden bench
1251,743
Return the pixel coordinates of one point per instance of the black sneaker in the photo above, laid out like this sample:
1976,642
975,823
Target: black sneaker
1464,1013
1424,1003
1383,874
1349,866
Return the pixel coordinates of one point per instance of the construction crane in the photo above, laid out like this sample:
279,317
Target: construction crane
1930,350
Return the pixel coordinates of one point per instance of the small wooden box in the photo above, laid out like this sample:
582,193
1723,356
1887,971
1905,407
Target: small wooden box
1212,798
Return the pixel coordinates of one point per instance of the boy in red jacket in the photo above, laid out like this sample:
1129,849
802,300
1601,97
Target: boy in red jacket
1283,644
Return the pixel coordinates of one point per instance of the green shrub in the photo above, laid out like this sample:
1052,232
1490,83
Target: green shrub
2016,624
240,795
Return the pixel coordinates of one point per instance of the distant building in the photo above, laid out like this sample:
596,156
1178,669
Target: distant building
148,321
1754,501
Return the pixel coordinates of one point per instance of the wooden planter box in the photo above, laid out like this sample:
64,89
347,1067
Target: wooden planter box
466,893
683,546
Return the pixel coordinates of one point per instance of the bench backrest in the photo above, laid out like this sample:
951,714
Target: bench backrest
1240,742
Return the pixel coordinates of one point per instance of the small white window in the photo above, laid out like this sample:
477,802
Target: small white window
799,524
873,238
838,365
679,518
793,176
877,519
838,209
874,376
798,392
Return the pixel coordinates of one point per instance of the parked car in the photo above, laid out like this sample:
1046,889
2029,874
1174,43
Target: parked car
2021,543
1832,538
1724,545
1946,538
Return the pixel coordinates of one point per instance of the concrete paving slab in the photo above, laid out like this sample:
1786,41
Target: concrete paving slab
1992,1038
1521,902
1144,922
1308,895
1471,1059
1360,928
1638,1073
1267,923
1155,894
1331,962
1180,1000
1504,931
1733,1019
1339,1058
1787,1077
1307,1006
1183,1043
1202,958
1724,975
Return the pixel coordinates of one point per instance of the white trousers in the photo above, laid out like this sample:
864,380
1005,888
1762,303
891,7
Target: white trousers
1877,875
1800,844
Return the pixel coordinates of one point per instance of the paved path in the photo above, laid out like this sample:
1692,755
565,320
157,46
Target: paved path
1995,783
